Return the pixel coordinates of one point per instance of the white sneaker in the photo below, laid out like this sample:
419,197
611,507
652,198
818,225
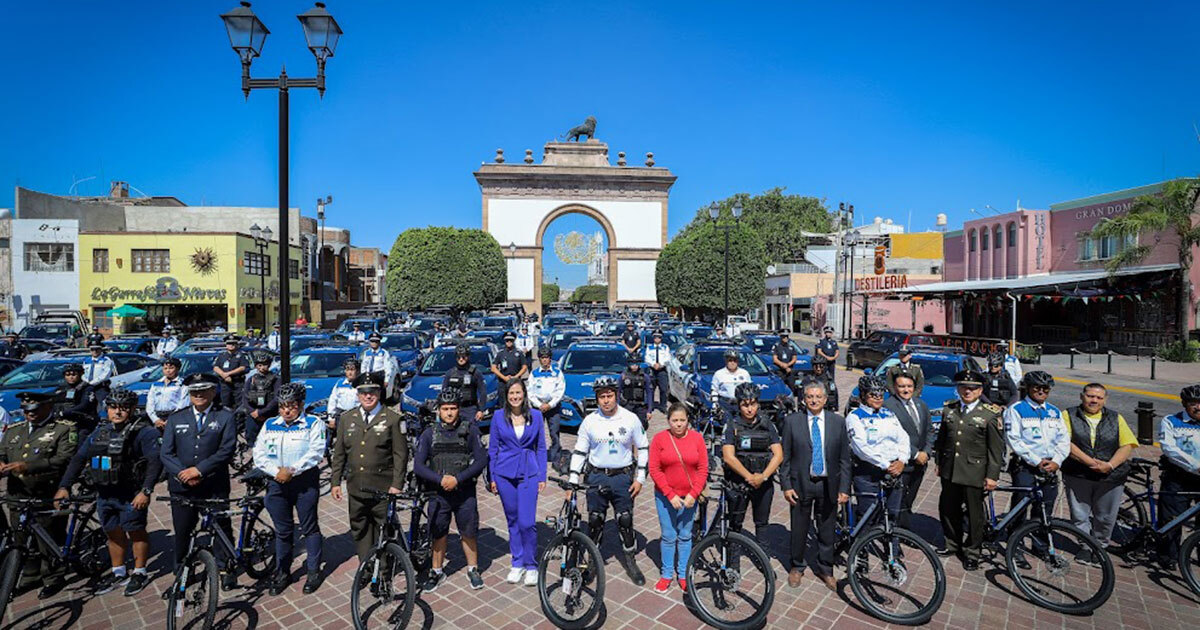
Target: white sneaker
531,577
515,574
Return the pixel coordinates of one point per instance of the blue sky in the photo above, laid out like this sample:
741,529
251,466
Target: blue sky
904,109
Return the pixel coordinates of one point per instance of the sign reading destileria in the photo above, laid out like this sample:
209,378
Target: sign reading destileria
881,283
165,289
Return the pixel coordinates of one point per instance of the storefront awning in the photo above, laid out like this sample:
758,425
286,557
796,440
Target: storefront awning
1026,283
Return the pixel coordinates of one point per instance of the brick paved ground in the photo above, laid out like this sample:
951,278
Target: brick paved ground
985,599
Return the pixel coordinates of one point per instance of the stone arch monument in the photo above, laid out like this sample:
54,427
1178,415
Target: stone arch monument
629,202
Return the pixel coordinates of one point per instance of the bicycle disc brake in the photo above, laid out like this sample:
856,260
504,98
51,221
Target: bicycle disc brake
897,573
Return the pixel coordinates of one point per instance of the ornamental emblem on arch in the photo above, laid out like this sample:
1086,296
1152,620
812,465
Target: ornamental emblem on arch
576,248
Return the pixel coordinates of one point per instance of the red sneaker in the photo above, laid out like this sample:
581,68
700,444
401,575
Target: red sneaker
662,585
683,585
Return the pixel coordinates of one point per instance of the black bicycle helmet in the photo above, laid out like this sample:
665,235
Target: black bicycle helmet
995,358
604,382
871,385
746,391
462,351
72,367
633,359
292,392
1038,378
449,396
352,362
121,397
1191,393
262,358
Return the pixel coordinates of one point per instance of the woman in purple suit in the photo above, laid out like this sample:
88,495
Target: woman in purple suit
517,461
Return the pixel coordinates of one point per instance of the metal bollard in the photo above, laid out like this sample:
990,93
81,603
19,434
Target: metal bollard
1072,358
1145,415
1153,364
1108,370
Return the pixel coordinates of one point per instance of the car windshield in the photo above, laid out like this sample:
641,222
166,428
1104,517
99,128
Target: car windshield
697,333
44,332
33,375
320,364
438,363
187,365
300,343
710,361
555,321
613,329
506,321
124,345
563,340
938,372
364,325
400,342
594,360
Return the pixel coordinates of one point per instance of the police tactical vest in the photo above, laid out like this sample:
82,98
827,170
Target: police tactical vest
261,388
464,381
450,452
110,458
1108,441
752,445
633,388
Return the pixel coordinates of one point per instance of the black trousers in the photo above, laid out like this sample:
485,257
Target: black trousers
231,393
956,501
823,509
758,500
36,566
659,383
1172,505
912,485
184,519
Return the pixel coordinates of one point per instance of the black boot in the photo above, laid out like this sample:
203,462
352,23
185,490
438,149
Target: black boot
631,568
279,583
313,582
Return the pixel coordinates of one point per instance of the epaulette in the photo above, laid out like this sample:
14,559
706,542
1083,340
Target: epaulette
953,402
993,408
70,423
15,423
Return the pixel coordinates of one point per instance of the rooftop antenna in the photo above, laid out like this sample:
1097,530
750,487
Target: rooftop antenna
989,207
76,182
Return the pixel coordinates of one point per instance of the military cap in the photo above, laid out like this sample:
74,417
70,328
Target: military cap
368,381
374,336
72,367
968,377
201,381
33,400
231,339
509,336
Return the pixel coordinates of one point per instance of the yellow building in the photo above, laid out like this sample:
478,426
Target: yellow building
192,280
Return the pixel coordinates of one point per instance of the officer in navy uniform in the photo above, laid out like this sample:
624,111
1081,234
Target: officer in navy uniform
289,450
450,457
635,389
167,395
13,348
468,381
822,376
95,337
656,357
120,460
231,367
197,448
827,349
752,451
783,356
630,338
509,364
259,396
33,455
75,399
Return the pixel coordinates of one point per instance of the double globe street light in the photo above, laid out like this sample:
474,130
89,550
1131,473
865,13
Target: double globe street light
247,35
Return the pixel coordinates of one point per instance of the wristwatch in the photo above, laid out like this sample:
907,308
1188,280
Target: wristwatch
147,491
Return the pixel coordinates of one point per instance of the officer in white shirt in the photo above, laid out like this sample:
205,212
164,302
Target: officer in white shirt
98,370
879,447
524,342
656,357
1179,436
612,451
289,449
273,339
377,359
546,386
1037,433
726,380
356,334
167,344
167,395
344,395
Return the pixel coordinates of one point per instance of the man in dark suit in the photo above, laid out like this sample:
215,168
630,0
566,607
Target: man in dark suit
814,480
914,416
197,447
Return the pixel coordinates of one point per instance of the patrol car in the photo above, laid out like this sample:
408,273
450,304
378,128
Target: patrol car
189,363
366,324
582,363
60,334
690,374
763,345
140,344
425,386
562,338
503,322
45,375
696,332
939,368
554,321
407,350
319,368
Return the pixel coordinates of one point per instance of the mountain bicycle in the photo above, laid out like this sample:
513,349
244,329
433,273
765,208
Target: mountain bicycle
389,574
571,569
1138,532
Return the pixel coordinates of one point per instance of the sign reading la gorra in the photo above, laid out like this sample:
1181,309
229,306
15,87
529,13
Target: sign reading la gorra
165,289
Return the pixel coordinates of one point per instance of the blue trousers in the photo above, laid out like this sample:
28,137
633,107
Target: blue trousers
658,382
866,484
1023,475
519,498
553,420
299,494
676,526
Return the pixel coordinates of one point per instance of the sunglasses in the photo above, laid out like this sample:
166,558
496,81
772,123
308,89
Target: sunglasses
1039,388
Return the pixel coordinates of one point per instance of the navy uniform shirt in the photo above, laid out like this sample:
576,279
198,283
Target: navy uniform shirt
631,339
509,362
479,456
145,445
784,351
228,362
828,346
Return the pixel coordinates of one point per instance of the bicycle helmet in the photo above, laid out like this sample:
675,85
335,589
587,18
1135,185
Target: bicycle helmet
871,385
292,392
745,391
1191,393
633,359
544,351
731,354
262,358
462,351
173,361
995,358
1038,378
72,368
352,362
449,396
604,382
121,397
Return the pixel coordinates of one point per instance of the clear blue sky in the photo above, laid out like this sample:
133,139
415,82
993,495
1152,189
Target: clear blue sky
900,108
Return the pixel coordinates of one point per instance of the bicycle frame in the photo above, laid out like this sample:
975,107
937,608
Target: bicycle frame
853,526
1149,496
64,553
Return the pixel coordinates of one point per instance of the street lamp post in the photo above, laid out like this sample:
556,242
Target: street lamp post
852,241
321,203
713,212
247,34
262,238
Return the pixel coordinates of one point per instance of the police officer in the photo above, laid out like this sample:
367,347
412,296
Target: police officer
197,448
1179,436
344,395
509,363
879,447
1036,431
525,341
546,388
167,395
370,453
273,338
827,348
450,457
909,369
611,451
75,400
289,450
95,337
231,367
98,370
13,348
33,456
752,452
460,331
969,452
465,378
356,334
439,334
120,460
657,355
998,386
376,358
630,338
820,375
166,344
635,389
726,380
259,396
783,355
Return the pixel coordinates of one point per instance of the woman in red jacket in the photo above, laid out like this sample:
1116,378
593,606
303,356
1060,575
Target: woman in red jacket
679,468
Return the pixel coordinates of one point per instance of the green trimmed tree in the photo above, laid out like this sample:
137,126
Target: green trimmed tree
1172,212
590,293
463,268
690,273
780,221
550,293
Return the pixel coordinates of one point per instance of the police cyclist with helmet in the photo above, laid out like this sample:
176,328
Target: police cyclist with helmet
259,396
120,459
998,386
1179,435
656,357
509,363
752,451
726,380
1036,431
467,380
611,452
450,456
635,389
879,446
288,450
231,367
546,388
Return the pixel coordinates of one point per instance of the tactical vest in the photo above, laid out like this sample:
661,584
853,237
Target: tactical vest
260,390
996,388
1108,441
752,445
633,388
450,452
465,382
110,460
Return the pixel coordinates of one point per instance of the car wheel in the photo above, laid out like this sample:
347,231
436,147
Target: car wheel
851,360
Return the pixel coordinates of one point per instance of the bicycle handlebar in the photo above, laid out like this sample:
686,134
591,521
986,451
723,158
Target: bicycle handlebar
566,484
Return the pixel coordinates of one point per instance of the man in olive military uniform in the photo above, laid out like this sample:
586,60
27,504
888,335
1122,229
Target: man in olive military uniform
33,456
260,396
370,453
907,368
969,451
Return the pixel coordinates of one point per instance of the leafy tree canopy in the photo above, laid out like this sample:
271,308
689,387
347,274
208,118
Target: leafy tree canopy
463,268
691,269
590,293
550,293
778,219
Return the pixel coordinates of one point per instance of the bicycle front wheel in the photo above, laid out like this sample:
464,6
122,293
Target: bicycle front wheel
897,577
384,590
258,552
192,604
10,572
1060,577
1189,561
731,581
1132,523
571,581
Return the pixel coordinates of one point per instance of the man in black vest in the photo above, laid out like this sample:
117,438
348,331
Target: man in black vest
1094,474
752,452
635,389
120,460
467,380
998,386
260,396
75,400
914,416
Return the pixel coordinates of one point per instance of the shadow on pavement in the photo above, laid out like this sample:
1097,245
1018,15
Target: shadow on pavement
58,616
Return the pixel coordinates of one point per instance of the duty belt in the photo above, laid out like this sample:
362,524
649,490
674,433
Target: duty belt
613,472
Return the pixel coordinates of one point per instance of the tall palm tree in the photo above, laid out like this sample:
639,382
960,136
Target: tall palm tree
1172,211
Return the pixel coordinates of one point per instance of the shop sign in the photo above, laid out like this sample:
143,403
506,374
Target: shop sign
882,283
165,289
